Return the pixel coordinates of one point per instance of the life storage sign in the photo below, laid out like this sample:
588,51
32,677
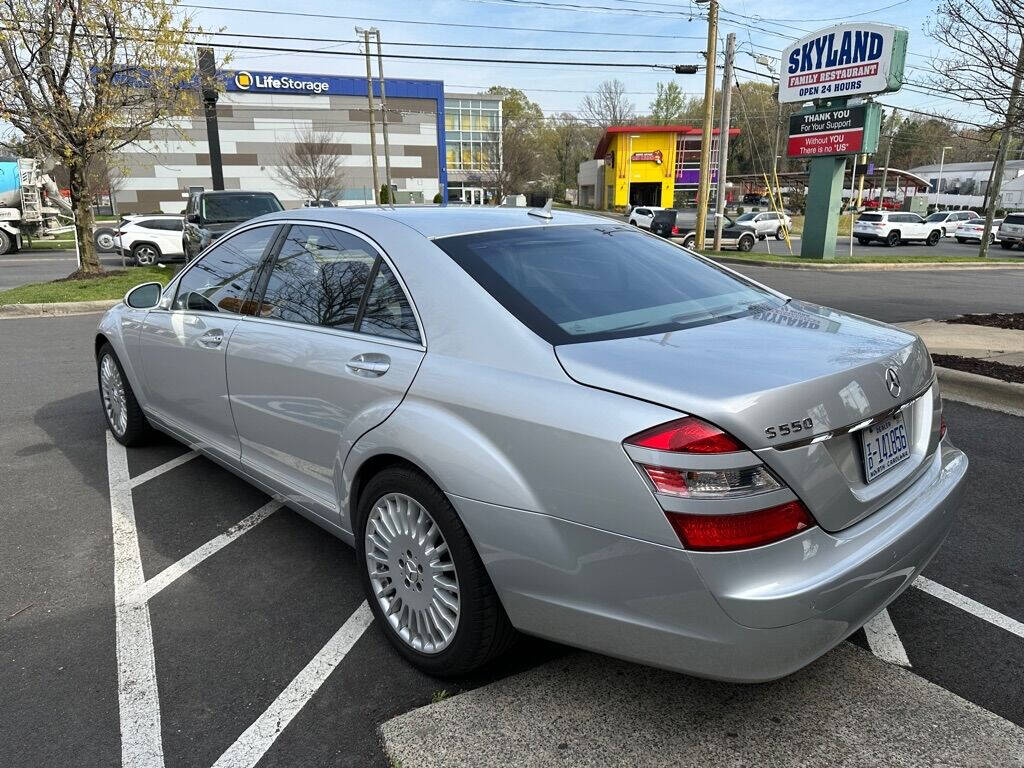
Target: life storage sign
844,60
844,131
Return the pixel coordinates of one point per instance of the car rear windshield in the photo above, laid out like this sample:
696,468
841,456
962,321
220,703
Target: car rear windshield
1014,218
219,209
587,283
871,217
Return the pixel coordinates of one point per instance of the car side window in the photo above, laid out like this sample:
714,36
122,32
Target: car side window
319,278
220,280
387,312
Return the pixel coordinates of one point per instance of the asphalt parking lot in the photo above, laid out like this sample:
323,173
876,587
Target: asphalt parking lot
156,610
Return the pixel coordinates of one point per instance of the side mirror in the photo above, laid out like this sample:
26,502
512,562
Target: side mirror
145,296
192,218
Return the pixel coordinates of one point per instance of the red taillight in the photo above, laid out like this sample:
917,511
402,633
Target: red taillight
675,230
740,531
687,435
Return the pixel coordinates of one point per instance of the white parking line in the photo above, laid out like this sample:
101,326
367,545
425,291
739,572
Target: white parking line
176,570
165,467
971,606
883,640
250,747
138,698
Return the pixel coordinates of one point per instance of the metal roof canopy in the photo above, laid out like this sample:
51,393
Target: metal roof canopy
895,176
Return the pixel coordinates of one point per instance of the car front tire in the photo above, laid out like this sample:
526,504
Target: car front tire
780,233
933,238
1006,245
746,243
961,240
125,419
423,578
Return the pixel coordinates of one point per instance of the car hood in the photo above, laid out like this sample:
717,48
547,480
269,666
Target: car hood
767,368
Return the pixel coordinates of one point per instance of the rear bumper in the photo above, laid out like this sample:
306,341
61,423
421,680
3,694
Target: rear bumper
747,616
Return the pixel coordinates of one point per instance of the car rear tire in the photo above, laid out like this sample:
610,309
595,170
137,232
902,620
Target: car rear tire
688,241
1006,246
745,243
125,419
408,536
933,238
961,240
864,240
780,233
145,255
892,239
104,239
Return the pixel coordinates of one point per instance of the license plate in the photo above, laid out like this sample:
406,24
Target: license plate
885,445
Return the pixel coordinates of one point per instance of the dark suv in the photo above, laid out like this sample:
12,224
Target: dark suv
682,226
210,214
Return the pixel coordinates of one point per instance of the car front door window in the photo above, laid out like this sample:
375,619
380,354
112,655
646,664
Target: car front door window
220,281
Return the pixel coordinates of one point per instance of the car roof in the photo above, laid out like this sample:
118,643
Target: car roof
213,192
442,221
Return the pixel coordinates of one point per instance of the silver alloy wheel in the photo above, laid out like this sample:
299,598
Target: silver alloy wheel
114,402
105,241
145,255
411,573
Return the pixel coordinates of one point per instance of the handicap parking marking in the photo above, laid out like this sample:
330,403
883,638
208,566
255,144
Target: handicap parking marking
138,690
884,641
972,607
250,747
178,569
167,466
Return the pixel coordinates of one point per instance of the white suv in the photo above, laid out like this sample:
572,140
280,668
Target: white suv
149,240
950,220
767,223
893,228
1011,231
643,215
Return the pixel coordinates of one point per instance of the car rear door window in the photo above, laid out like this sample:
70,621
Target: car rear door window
219,282
387,311
319,278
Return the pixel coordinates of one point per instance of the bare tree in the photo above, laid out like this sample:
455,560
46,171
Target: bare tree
608,105
84,78
313,166
983,64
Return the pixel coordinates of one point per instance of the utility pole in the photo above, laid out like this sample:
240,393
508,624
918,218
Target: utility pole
1013,109
208,88
704,183
893,121
384,120
371,119
723,137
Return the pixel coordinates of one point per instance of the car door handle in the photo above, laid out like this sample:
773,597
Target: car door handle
369,364
212,339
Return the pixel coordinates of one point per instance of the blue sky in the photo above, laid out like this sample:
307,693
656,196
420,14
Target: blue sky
760,27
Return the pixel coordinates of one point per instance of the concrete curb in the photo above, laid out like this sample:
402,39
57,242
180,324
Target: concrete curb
982,391
951,266
56,309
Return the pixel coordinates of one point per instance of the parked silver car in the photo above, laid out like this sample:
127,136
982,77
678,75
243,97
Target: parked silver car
553,424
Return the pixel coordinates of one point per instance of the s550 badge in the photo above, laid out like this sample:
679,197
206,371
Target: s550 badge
784,430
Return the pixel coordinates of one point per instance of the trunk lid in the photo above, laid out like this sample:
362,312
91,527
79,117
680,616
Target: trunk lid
776,367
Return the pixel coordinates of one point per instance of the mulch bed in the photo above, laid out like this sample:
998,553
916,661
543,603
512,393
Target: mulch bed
1013,321
994,370
80,274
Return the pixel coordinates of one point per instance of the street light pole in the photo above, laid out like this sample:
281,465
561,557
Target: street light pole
938,184
704,182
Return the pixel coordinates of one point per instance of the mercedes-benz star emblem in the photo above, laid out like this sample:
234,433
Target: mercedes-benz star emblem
892,381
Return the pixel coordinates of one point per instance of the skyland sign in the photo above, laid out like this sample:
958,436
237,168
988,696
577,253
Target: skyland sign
845,60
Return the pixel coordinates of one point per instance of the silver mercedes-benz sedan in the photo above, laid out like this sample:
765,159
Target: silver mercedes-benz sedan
552,424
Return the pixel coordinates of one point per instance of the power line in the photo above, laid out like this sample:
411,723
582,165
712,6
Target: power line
419,22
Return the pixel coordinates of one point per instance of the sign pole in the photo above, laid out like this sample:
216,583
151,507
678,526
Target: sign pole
704,182
723,138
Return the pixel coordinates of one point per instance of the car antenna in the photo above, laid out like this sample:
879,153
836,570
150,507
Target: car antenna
541,213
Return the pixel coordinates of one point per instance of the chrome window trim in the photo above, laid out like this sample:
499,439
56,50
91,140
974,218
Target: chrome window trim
422,345
334,332
597,219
